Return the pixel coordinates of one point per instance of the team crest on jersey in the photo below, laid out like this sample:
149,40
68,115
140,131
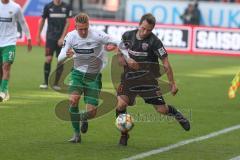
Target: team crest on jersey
144,46
10,12
64,9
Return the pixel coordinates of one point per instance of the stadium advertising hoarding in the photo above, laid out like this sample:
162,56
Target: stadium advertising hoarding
168,12
173,37
216,40
176,38
32,7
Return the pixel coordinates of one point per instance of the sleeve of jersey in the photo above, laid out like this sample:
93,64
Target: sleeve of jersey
45,12
23,23
66,46
123,46
69,14
160,50
106,39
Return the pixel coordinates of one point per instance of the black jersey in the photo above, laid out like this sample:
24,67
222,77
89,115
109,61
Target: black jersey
56,16
146,51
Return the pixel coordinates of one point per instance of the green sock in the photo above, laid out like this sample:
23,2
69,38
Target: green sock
4,86
75,118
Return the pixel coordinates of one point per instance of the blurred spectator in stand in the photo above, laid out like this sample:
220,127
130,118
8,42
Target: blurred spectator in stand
232,1
197,13
80,5
229,0
191,14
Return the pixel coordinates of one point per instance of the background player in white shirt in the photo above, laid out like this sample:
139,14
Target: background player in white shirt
10,14
87,47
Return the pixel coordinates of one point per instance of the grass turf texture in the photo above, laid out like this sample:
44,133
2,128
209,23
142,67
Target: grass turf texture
29,128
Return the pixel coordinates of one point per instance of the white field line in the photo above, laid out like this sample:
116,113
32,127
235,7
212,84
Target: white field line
236,158
182,143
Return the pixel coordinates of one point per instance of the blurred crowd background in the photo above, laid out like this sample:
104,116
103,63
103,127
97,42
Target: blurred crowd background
218,13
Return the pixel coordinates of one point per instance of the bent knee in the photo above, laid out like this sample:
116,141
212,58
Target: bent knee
122,104
74,99
92,110
92,113
48,59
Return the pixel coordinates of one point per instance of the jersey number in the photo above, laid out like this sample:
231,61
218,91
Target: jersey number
11,55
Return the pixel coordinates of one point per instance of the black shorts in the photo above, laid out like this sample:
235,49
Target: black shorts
149,91
51,47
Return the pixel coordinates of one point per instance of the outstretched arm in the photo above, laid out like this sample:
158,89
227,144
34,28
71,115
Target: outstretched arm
66,50
125,60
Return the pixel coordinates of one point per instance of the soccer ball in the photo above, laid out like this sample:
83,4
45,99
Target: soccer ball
124,122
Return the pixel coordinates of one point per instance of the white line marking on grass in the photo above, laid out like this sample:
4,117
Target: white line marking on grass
182,143
3,107
236,158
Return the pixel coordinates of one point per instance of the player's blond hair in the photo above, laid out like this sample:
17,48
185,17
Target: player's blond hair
82,18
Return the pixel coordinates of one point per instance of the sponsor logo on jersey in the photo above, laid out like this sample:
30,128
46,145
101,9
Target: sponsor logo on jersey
57,15
2,19
88,43
144,54
83,51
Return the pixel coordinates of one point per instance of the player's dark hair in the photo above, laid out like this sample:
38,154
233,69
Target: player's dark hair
81,18
149,18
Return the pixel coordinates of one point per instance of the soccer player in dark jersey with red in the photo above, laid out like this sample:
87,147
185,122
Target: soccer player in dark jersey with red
141,70
57,13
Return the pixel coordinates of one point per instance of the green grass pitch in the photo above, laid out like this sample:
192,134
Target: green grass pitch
29,128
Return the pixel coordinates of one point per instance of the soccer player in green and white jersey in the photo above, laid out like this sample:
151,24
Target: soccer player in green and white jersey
88,56
10,14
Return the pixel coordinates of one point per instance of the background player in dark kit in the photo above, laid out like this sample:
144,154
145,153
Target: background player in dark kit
57,14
